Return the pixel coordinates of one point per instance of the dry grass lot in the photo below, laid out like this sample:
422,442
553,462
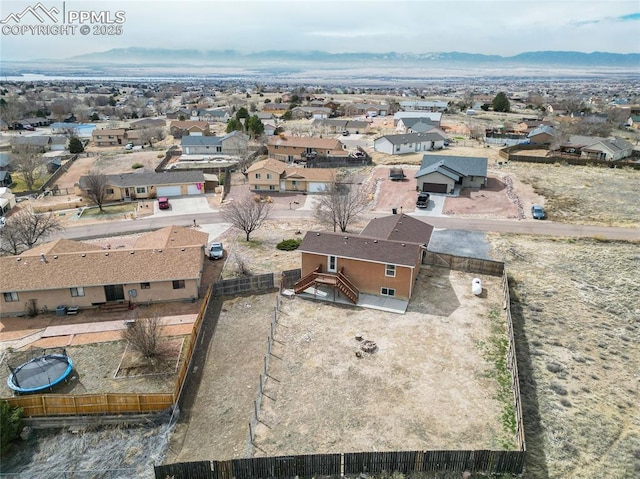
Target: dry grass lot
428,386
577,322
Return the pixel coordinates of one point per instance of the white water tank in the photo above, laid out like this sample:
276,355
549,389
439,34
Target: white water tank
476,286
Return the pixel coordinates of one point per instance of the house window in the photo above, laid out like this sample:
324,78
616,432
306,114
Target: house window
258,176
10,297
272,187
145,285
268,176
178,284
109,191
294,182
275,147
332,264
397,147
78,291
218,149
390,270
387,291
141,189
258,187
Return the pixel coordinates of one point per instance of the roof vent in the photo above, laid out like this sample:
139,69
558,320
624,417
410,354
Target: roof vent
106,254
131,252
375,241
346,237
159,251
55,256
18,259
317,234
43,258
84,254
404,244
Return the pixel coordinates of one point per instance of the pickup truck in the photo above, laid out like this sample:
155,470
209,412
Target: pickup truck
423,200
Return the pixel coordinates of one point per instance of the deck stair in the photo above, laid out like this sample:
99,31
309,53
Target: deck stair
336,280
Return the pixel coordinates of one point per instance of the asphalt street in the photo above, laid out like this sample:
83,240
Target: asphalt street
532,227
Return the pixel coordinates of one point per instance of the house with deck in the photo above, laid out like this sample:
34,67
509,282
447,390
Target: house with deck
290,148
164,265
382,261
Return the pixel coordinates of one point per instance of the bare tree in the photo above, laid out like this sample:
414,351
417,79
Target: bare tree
150,135
25,228
144,336
341,204
95,187
247,213
27,160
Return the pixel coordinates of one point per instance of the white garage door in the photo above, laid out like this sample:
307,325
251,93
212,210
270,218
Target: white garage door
194,190
315,187
168,191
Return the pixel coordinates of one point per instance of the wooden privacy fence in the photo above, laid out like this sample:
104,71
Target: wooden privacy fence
122,403
235,286
461,263
340,464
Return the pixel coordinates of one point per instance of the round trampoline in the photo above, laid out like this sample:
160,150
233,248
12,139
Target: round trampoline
40,373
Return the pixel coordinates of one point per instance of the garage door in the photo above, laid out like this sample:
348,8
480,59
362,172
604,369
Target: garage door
434,187
194,190
168,191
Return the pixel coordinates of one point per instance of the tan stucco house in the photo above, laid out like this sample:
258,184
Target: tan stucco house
288,149
131,186
273,175
164,265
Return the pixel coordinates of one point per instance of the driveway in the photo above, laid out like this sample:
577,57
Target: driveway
434,208
183,206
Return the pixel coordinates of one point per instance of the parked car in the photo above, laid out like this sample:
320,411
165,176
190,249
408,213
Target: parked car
397,174
163,203
538,213
129,146
345,132
216,251
423,200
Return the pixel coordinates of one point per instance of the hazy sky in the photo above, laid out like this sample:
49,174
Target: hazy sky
503,27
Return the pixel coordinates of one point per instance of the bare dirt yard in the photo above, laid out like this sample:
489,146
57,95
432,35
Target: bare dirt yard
428,384
577,323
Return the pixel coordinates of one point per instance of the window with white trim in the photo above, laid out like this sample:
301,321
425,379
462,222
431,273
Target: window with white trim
10,297
258,176
390,270
77,291
268,176
141,189
387,292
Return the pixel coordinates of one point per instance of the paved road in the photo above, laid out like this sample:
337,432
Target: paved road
487,225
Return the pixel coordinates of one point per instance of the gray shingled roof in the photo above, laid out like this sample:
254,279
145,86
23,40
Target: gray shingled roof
414,138
191,140
453,165
541,129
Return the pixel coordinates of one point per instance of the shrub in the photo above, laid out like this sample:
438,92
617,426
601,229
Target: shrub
289,244
9,425
135,166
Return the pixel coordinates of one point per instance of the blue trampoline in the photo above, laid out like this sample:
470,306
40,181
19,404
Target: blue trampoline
40,373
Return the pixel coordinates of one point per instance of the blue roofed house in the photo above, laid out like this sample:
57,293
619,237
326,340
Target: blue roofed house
443,174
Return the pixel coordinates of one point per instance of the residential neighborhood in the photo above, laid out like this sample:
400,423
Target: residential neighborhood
378,241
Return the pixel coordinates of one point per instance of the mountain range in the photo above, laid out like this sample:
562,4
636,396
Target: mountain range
144,56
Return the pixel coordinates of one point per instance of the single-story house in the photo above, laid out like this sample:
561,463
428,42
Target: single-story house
366,109
192,128
178,113
315,112
39,143
4,161
131,186
286,148
434,116
383,260
274,175
543,134
233,143
276,108
109,137
5,178
612,149
414,125
7,200
163,265
409,143
441,174
424,105
338,125
59,143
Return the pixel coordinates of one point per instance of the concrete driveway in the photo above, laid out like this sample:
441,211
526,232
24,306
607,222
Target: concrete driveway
435,207
184,206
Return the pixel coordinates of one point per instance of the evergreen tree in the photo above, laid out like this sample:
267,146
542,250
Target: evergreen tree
75,145
501,102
